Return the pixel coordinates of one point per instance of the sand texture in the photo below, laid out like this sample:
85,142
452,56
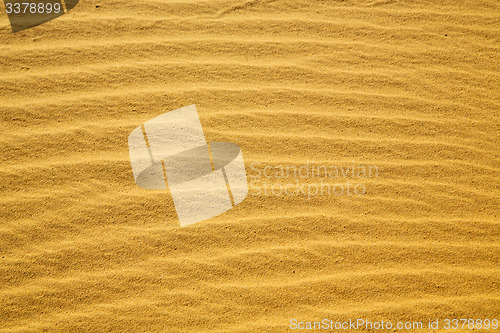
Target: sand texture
411,87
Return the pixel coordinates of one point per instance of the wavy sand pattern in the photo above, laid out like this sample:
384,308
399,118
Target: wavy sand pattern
411,87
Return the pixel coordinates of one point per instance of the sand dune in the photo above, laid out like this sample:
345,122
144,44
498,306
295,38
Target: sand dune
411,87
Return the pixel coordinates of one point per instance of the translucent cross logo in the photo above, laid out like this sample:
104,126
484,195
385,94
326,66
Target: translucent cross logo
170,151
25,14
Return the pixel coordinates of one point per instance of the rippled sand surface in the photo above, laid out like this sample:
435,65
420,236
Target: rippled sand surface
411,87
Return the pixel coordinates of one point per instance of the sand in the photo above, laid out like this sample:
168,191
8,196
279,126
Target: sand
410,87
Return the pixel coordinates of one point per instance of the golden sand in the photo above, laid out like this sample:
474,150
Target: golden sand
411,87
